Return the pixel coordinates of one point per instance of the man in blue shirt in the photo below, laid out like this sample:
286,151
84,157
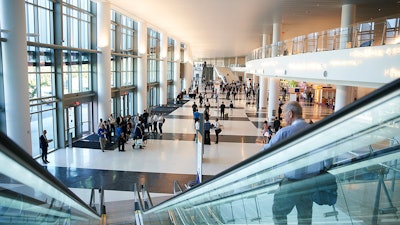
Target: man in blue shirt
294,189
102,132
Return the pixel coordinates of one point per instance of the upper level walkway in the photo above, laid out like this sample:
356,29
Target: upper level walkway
364,54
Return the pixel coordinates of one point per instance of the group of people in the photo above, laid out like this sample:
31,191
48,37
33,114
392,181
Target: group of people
269,130
124,128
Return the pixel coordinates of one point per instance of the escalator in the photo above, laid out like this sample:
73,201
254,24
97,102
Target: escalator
362,142
31,195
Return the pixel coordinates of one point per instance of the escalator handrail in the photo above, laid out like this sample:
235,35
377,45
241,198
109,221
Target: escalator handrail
14,152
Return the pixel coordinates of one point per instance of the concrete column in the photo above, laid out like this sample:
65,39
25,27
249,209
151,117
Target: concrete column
103,60
15,73
347,19
264,45
177,70
188,67
276,37
341,97
142,68
163,69
273,84
263,92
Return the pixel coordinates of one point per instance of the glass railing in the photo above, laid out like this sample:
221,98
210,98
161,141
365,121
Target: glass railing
382,31
362,141
29,194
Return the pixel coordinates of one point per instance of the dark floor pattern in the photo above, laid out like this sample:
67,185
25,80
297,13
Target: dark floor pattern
92,141
119,180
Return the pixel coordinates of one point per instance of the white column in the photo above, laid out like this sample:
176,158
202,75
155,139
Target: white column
15,73
177,66
263,92
276,37
188,67
341,98
264,44
273,84
347,19
163,69
103,60
142,68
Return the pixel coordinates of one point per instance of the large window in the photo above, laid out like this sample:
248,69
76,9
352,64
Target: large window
77,23
153,52
39,21
392,31
41,80
124,46
77,72
171,58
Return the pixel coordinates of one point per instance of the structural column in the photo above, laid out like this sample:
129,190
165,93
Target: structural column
188,68
347,19
163,69
263,92
15,73
273,84
264,45
142,68
177,66
103,60
342,96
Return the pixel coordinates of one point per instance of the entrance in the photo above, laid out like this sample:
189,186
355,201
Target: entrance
77,120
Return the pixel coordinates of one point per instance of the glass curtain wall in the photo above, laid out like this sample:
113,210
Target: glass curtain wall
41,72
153,67
170,68
124,46
76,27
41,24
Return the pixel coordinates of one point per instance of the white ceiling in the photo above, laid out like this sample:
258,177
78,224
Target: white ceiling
228,28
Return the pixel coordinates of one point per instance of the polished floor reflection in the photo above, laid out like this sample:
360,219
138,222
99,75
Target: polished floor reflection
169,157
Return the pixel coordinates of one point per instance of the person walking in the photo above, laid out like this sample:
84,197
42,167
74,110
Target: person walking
44,145
102,132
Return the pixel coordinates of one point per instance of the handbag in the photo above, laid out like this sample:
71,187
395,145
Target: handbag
325,189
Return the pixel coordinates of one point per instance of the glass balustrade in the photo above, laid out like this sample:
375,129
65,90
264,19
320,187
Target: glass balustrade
31,195
380,31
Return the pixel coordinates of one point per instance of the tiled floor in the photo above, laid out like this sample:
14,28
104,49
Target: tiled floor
167,158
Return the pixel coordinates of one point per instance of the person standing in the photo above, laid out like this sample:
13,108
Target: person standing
201,100
277,124
217,130
161,121
293,191
112,122
102,132
207,127
120,137
44,145
155,120
222,106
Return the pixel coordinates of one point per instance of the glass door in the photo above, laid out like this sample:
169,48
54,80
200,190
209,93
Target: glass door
70,123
